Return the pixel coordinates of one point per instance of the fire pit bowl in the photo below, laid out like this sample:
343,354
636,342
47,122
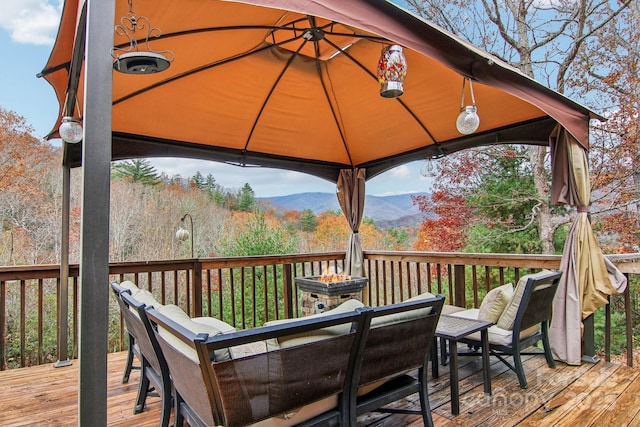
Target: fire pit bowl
335,286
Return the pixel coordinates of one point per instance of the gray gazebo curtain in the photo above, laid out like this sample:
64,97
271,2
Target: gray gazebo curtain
588,277
350,192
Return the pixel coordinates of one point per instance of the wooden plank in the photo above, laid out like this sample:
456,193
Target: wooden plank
571,397
600,398
568,396
625,409
508,403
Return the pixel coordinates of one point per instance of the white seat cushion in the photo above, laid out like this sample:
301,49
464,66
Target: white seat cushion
497,335
406,315
146,297
224,327
127,284
176,314
316,335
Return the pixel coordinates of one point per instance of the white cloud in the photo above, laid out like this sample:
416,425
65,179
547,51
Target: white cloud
265,182
402,171
31,21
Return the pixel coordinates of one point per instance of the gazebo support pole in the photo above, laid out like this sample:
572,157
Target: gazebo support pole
94,256
588,341
63,292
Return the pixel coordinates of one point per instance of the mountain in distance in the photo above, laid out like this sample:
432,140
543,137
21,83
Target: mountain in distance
387,211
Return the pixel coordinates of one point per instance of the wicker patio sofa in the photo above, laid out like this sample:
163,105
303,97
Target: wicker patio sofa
154,374
320,370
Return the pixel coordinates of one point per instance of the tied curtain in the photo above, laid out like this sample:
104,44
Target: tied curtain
588,277
350,192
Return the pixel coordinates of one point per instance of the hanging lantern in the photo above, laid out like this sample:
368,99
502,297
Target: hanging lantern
71,130
182,234
468,120
132,60
392,70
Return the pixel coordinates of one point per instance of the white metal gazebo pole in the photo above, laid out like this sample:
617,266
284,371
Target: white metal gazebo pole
94,255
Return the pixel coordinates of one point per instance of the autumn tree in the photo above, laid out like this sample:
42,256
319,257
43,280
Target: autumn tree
444,231
258,235
614,71
545,41
332,231
30,194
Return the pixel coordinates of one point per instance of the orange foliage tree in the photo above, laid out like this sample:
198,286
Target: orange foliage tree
446,231
29,193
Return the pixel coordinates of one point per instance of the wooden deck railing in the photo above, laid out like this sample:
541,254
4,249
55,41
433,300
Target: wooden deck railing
248,291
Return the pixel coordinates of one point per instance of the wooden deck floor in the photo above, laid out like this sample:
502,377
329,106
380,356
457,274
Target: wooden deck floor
600,395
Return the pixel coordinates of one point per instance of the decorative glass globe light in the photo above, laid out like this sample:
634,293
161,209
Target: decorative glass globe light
70,130
182,234
468,120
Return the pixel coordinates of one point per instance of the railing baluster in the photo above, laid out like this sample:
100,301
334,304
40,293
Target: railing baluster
288,291
233,296
3,325
242,297
487,279
607,330
628,325
175,288
410,288
220,295
23,322
275,291
265,290
254,311
75,316
474,285
40,318
377,271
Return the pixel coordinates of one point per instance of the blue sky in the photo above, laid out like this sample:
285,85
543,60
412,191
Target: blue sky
27,31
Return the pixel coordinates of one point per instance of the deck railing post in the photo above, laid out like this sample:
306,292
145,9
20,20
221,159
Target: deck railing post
3,322
288,290
196,289
459,291
628,323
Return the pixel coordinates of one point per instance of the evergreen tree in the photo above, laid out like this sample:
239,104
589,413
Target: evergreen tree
198,180
505,203
308,221
397,238
210,184
247,199
218,197
136,170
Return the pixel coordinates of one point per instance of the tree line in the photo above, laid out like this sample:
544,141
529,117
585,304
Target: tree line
146,207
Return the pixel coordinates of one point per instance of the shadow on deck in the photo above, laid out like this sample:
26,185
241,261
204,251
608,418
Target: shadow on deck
602,394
